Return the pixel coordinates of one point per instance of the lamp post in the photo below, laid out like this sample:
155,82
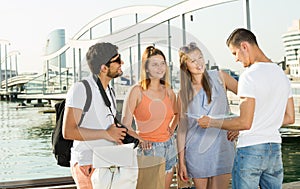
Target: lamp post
5,43
10,67
247,14
15,54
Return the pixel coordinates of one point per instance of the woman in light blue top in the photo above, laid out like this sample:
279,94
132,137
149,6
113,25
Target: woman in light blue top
205,155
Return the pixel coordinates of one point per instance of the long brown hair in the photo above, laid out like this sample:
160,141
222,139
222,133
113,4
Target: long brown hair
186,90
145,79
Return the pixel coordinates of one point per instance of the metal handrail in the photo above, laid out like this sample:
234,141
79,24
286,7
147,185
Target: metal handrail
65,182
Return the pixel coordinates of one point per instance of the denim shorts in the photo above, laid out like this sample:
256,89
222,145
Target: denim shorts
167,149
258,165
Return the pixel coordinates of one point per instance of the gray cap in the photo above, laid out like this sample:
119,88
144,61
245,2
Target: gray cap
100,53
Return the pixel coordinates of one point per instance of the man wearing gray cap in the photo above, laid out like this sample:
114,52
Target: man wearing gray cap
97,128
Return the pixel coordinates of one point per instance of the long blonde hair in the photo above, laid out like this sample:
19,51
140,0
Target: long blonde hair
145,79
186,90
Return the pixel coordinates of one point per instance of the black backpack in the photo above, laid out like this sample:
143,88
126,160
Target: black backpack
62,147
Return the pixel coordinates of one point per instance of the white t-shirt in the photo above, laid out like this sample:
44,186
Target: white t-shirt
98,117
267,83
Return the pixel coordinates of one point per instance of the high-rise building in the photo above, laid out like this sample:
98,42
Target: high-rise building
55,41
291,42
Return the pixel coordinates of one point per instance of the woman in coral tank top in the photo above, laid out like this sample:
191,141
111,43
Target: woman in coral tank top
152,103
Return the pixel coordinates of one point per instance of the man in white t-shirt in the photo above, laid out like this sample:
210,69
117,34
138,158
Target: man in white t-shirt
266,103
97,127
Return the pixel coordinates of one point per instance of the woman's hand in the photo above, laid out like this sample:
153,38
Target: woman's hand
182,173
145,145
232,135
171,131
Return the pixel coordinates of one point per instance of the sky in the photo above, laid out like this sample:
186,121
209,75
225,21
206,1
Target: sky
27,24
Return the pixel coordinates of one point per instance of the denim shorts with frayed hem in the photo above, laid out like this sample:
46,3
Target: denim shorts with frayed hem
258,165
166,149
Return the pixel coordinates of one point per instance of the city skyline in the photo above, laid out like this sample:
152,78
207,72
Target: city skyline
27,24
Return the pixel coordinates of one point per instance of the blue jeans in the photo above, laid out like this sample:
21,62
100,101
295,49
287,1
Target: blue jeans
167,149
258,165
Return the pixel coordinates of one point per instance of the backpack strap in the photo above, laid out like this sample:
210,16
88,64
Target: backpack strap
88,100
105,97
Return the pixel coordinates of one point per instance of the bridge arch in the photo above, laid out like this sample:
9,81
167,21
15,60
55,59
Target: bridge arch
131,39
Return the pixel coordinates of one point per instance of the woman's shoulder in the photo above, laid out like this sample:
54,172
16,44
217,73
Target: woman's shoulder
215,76
213,73
170,92
135,92
136,88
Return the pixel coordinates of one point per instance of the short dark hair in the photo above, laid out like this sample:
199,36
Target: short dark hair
100,53
239,35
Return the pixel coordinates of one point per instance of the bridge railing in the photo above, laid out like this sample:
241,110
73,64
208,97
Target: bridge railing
164,27
35,85
58,83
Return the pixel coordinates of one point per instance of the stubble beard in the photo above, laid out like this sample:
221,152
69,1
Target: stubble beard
114,75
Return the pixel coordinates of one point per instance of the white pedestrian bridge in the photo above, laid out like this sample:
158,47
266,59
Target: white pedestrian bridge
131,29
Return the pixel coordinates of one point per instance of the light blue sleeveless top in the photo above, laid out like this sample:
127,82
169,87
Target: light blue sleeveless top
208,152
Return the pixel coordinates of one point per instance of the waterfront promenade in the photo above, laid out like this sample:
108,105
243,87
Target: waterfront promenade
30,146
67,183
292,185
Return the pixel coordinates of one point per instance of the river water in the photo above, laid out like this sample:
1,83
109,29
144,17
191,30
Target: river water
25,146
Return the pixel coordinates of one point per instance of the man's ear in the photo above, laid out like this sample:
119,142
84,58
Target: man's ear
244,45
103,68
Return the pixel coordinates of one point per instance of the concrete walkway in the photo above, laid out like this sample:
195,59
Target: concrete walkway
291,185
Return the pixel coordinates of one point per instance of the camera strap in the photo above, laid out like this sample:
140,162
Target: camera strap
105,97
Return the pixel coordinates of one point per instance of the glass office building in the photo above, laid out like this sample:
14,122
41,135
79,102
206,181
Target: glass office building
55,41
